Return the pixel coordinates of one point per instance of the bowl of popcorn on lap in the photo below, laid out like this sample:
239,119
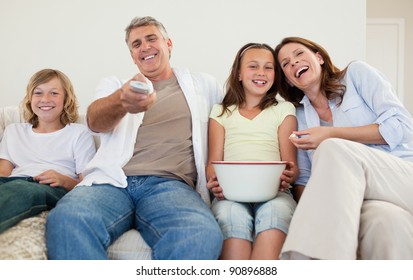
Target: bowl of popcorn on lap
249,181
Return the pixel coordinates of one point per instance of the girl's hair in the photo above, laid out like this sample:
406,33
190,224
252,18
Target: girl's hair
330,74
70,112
235,94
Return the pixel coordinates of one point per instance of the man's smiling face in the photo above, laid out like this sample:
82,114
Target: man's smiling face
150,51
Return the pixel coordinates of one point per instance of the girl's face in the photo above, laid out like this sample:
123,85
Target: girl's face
301,66
47,102
257,71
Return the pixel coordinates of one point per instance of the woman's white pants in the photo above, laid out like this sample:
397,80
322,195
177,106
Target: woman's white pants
358,203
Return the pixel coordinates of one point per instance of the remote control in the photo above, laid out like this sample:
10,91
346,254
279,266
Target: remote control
141,87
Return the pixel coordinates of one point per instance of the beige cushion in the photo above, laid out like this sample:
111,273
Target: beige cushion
25,241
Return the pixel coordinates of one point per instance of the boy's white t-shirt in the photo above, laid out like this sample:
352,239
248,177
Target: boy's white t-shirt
67,151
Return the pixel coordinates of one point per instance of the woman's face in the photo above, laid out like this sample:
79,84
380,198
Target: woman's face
301,66
257,71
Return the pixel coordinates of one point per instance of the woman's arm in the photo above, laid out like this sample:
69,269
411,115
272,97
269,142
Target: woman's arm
369,114
312,137
395,123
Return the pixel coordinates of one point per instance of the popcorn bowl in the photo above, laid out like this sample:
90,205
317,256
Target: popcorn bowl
249,181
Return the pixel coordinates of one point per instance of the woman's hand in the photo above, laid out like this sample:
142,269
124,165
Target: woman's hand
309,139
214,187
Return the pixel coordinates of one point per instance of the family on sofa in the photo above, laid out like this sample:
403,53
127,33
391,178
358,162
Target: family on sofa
149,174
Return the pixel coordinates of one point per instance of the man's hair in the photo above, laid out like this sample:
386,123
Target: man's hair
145,21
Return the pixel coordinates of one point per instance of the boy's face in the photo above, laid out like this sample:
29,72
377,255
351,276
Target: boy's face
47,101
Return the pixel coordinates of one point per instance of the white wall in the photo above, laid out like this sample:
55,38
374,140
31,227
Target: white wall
401,10
85,39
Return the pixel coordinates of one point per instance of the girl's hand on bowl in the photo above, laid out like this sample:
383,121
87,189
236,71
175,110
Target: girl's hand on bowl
287,176
214,187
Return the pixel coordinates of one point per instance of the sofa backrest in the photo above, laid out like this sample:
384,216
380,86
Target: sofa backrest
9,115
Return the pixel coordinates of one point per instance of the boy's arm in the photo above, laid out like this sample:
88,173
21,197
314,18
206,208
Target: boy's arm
6,167
55,179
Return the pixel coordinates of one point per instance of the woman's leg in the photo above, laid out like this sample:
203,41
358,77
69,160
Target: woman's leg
344,173
386,232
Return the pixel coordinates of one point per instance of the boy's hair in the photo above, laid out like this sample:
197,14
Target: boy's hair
70,112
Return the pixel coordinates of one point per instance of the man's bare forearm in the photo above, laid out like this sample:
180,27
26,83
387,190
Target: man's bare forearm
105,113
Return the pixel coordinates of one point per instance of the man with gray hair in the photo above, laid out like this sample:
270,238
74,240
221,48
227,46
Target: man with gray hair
149,172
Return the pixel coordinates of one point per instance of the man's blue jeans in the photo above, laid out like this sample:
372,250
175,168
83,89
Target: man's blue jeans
21,198
171,217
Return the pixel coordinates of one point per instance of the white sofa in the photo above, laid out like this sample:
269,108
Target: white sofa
388,227
26,240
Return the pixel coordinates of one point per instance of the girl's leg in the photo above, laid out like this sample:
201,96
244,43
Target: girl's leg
236,222
268,245
272,220
236,249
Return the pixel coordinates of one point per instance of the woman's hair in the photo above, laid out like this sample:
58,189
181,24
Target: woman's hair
330,74
235,94
70,112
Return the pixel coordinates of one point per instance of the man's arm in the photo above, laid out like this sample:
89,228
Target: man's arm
104,114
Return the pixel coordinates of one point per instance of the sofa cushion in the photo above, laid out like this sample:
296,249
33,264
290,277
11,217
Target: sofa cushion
25,241
130,246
